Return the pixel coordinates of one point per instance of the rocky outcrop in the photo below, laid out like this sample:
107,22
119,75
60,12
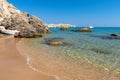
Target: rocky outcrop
60,25
28,25
38,24
56,42
83,30
64,28
115,35
7,9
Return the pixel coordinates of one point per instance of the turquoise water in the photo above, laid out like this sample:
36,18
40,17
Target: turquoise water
73,61
95,47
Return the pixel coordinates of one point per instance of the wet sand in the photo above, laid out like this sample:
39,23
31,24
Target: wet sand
51,61
13,64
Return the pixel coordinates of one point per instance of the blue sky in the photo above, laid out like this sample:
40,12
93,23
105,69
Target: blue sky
79,12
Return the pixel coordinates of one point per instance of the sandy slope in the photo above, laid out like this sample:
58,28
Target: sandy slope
13,65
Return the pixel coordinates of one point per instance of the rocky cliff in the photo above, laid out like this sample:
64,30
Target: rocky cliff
13,19
7,9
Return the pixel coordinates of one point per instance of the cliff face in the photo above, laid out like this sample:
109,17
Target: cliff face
7,9
13,19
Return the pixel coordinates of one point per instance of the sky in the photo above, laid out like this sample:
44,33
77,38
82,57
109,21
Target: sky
101,13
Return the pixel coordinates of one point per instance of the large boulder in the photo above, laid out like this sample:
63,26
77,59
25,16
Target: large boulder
27,33
83,30
38,24
29,26
12,22
64,28
13,19
7,9
117,35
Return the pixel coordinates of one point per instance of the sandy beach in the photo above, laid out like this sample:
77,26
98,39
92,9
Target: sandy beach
13,64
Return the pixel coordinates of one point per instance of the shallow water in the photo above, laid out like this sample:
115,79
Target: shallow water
87,54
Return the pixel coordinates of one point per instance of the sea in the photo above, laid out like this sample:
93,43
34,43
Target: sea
84,56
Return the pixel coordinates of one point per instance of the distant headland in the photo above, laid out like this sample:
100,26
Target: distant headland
61,25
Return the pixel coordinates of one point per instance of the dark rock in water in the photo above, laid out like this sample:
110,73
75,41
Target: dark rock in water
111,37
83,30
115,35
106,37
56,41
64,28
101,51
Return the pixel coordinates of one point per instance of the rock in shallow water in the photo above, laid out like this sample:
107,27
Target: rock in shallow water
101,51
56,41
108,37
64,28
83,30
115,35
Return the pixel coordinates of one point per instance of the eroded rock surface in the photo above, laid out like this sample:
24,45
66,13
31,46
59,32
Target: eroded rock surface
28,25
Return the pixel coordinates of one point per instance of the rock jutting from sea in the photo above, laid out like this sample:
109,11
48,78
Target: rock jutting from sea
13,19
83,30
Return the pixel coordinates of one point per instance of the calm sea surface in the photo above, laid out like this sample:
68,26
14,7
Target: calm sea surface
97,49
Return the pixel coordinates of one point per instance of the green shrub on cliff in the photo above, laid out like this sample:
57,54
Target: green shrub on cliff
0,16
9,6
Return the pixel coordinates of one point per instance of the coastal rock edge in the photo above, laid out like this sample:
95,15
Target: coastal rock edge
13,19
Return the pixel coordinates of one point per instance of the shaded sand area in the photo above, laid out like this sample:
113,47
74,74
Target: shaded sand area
13,64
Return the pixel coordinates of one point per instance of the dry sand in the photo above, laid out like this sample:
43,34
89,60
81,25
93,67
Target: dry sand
13,64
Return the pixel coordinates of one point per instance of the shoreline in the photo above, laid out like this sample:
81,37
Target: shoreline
61,64
13,64
28,62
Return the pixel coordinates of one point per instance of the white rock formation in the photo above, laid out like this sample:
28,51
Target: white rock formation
12,19
6,9
61,25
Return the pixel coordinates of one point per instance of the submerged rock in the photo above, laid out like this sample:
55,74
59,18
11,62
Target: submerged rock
108,37
101,51
111,37
83,30
56,41
115,35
